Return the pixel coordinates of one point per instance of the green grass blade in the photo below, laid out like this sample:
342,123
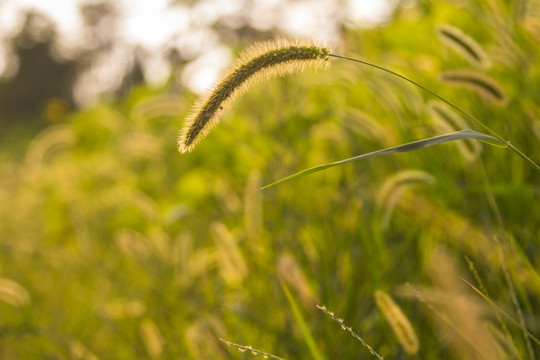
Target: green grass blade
503,313
412,146
308,338
433,93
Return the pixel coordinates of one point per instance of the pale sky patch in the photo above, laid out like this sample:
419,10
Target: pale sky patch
153,26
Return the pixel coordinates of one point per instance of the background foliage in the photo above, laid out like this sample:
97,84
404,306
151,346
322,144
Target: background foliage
113,245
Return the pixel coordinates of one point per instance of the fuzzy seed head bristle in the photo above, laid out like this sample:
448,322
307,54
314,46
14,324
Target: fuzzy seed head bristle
481,83
463,44
398,322
261,61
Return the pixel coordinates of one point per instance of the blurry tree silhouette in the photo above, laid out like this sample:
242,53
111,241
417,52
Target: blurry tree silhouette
48,83
42,87
100,21
42,75
133,76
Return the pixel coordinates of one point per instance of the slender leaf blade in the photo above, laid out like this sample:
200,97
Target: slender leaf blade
412,146
308,338
502,312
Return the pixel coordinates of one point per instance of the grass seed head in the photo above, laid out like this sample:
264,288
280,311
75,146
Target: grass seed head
398,322
463,44
260,62
482,84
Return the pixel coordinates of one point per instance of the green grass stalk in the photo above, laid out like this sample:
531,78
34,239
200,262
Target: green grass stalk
431,92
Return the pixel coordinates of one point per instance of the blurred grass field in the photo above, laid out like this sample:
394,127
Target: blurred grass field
115,246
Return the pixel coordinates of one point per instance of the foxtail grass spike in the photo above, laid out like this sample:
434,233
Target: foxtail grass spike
463,44
259,62
280,57
398,322
13,293
393,188
482,84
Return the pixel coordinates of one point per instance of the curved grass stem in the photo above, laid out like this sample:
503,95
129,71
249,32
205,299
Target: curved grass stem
469,116
523,156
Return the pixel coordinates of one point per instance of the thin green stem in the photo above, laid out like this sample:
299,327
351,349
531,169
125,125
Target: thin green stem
525,157
504,264
469,116
425,89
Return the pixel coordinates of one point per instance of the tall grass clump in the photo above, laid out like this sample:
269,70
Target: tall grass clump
105,229
279,57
